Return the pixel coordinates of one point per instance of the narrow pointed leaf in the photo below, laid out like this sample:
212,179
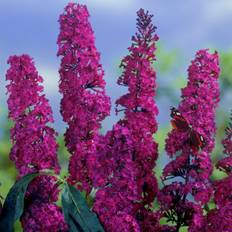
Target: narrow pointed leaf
77,213
14,204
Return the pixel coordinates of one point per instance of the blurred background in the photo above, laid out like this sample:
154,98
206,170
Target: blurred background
183,27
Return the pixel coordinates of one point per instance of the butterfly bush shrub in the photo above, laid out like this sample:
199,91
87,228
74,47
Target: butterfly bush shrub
117,168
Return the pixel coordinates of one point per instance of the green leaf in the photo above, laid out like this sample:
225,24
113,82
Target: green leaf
14,204
77,213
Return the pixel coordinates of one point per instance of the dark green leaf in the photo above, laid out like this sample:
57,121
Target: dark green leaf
77,213
14,203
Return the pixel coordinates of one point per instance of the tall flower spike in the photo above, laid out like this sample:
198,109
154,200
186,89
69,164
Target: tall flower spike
191,168
84,104
140,110
34,144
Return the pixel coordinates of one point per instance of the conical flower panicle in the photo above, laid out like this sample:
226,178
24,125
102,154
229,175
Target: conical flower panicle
140,112
84,103
34,144
191,168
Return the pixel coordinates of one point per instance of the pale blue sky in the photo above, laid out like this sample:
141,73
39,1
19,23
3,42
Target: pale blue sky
30,26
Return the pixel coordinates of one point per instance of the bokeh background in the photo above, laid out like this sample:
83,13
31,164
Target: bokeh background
30,26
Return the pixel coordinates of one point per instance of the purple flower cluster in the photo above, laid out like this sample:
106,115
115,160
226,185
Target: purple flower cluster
34,145
42,214
84,104
43,217
220,219
114,202
126,156
140,110
182,200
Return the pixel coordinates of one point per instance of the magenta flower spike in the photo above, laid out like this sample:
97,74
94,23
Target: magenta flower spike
84,104
183,199
34,144
127,154
140,112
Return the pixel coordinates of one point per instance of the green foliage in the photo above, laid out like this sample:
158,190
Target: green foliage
160,139
63,156
169,77
8,171
183,229
76,212
14,204
226,71
166,60
17,226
